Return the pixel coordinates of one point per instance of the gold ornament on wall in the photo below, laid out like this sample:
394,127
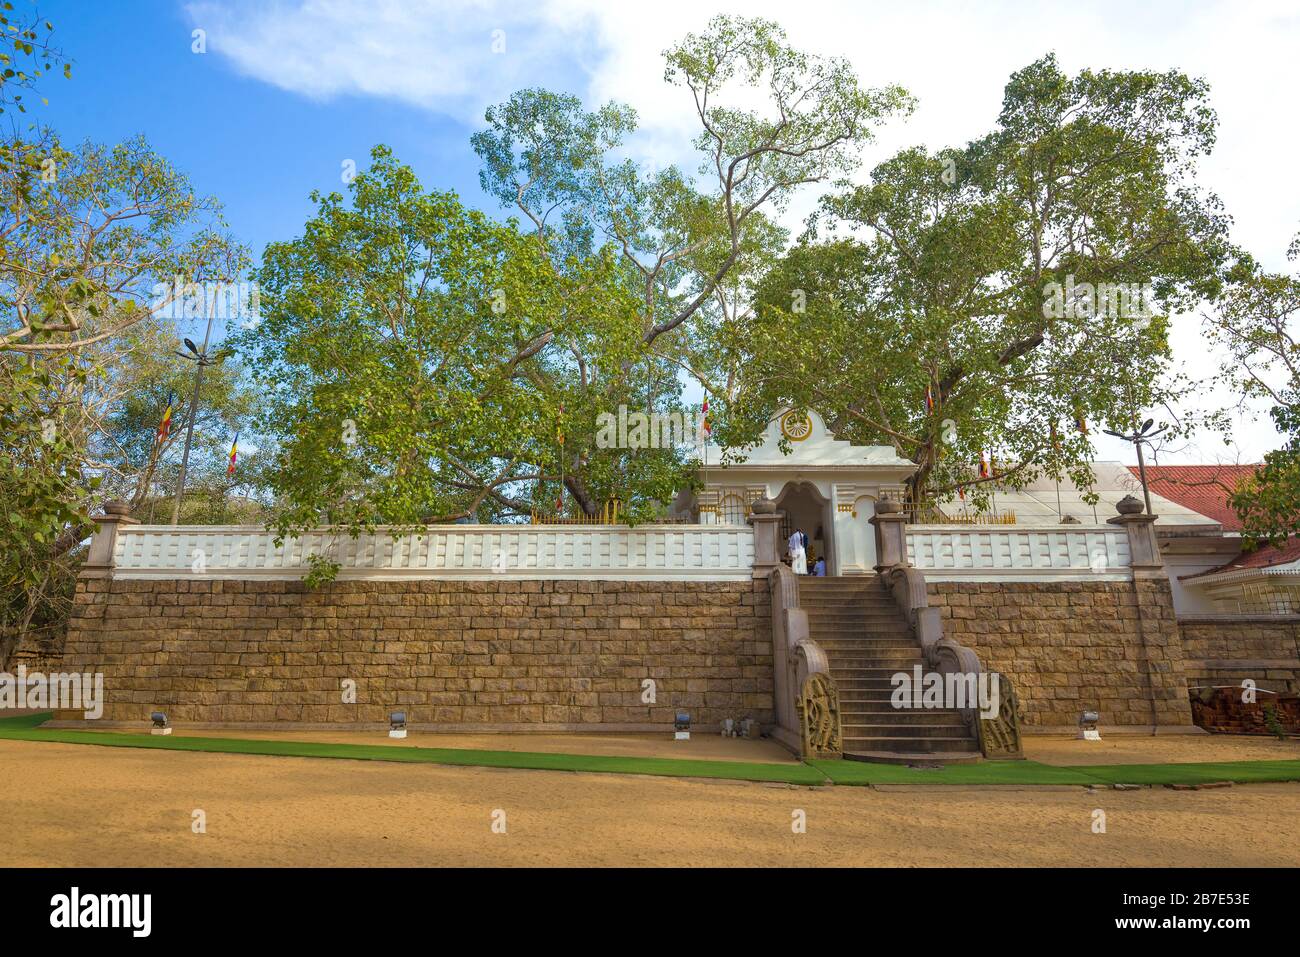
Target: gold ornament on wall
796,426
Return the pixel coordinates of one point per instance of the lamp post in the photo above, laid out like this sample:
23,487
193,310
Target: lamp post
202,360
1139,438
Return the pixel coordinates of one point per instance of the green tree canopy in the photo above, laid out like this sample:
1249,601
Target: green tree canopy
1254,327
1021,283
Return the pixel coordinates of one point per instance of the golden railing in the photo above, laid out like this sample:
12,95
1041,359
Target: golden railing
730,504
928,512
608,515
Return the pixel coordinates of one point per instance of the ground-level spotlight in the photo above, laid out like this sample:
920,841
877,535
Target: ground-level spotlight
160,725
682,726
1088,726
397,724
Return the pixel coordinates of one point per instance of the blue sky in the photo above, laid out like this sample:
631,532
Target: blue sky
258,148
290,89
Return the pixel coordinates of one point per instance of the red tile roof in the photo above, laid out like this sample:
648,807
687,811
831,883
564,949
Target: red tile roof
1202,488
1262,557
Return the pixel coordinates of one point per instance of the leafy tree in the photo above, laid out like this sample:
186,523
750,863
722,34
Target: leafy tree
89,240
82,428
399,356
26,54
96,239
40,486
976,276
689,250
1254,326
382,315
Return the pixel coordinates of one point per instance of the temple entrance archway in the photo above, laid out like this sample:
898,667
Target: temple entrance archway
805,507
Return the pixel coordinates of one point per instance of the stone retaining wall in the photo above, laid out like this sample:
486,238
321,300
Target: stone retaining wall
1224,650
459,655
1075,646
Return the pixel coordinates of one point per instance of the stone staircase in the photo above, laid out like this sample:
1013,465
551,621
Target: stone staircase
867,640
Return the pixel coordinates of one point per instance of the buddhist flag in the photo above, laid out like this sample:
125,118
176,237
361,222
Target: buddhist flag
165,426
1080,422
234,454
1056,438
929,399
708,426
984,466
961,492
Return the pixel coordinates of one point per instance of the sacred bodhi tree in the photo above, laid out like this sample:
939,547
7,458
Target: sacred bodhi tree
689,247
422,362
999,301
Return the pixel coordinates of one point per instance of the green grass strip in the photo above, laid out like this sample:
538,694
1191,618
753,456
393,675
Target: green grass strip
24,729
1239,772
1023,773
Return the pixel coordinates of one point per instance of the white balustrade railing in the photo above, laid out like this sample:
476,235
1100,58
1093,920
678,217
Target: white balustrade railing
444,551
1001,552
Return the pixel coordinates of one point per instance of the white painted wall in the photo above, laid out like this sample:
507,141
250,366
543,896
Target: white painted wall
663,552
1009,552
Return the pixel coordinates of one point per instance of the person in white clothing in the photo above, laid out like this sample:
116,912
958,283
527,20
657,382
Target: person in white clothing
798,557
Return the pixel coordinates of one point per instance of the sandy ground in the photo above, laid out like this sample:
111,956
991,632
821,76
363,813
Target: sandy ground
81,806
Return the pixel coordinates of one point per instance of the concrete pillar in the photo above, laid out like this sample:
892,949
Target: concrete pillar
1144,550
890,525
767,529
99,560
1160,640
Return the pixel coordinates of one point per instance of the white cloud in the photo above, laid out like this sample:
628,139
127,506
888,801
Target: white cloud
954,56
451,56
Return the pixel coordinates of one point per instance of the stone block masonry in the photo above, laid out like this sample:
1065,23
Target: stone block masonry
1225,650
1072,646
454,654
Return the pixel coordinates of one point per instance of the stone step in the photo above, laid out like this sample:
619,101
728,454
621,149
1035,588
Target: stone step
872,698
893,729
848,681
842,581
911,757
946,743
867,648
897,632
868,642
854,616
854,716
871,640
894,665
828,599
848,655
857,622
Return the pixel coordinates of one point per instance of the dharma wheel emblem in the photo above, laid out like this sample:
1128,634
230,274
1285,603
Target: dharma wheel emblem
796,426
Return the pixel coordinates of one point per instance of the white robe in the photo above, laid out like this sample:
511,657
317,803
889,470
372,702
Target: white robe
798,557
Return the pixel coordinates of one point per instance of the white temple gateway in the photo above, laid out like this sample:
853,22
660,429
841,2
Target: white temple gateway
829,488
825,486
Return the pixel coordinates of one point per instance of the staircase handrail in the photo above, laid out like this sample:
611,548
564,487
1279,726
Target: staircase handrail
941,653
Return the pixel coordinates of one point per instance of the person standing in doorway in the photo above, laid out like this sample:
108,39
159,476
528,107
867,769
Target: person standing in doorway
798,554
